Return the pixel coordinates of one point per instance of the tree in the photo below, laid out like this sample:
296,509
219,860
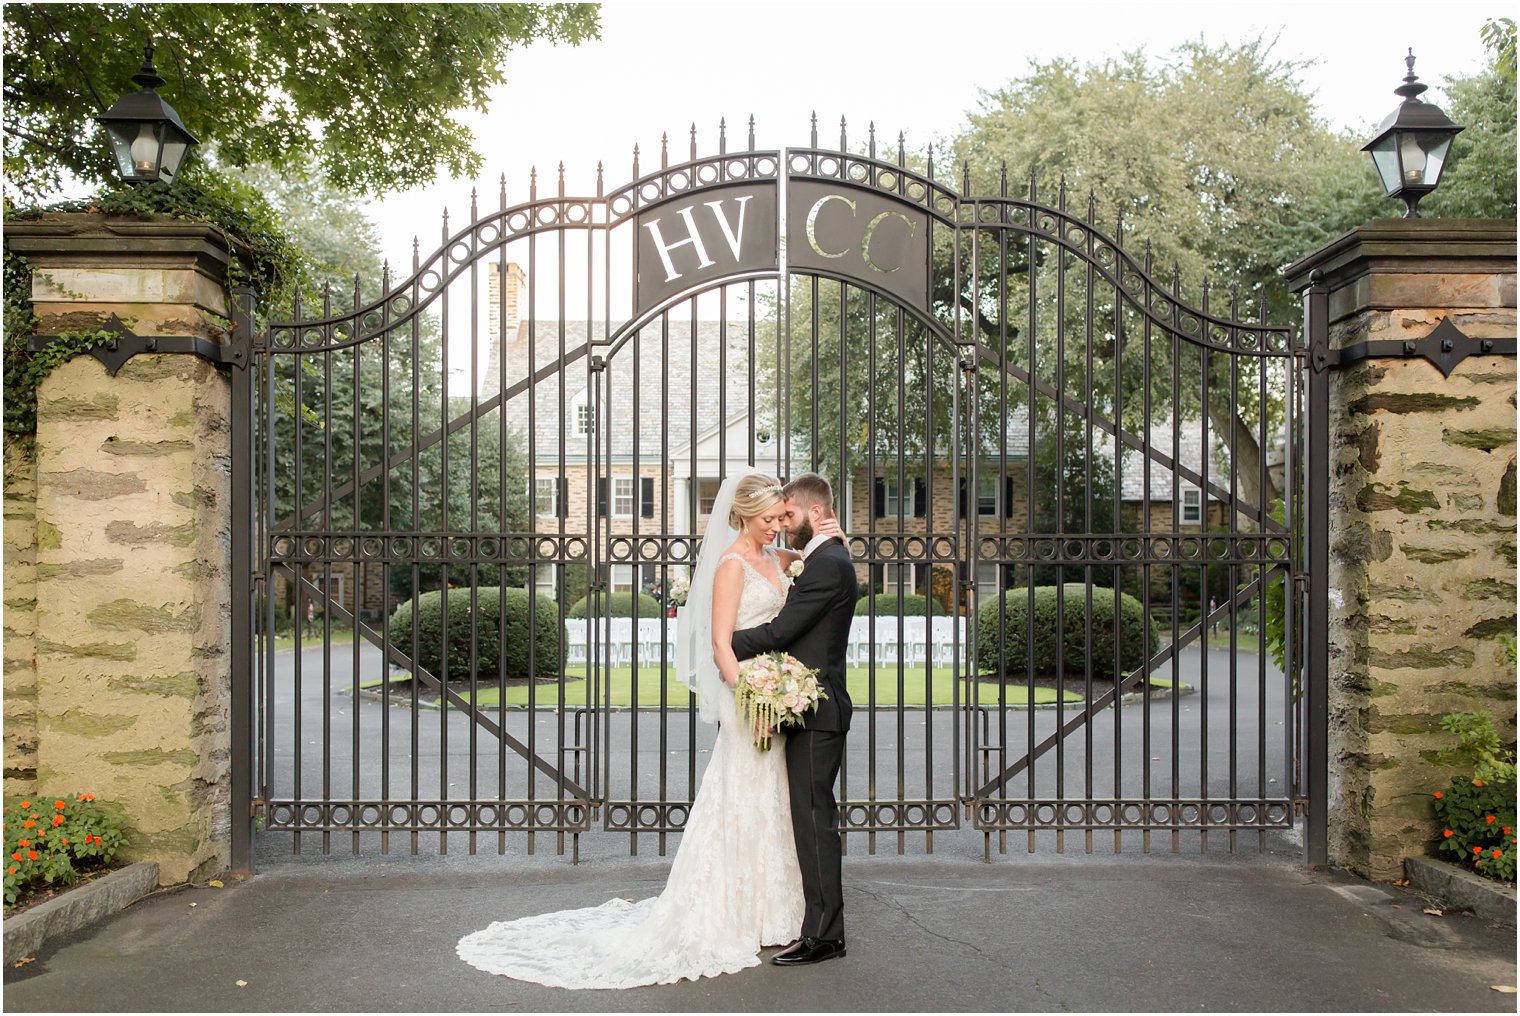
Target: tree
1480,177
365,93
1203,156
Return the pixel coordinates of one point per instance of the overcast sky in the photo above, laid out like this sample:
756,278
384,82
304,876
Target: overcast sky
911,67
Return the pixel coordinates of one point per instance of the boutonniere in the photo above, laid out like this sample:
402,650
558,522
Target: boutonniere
794,569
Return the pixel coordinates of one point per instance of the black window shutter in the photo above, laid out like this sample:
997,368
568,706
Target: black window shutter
1008,497
880,495
920,498
646,497
960,500
564,498
601,496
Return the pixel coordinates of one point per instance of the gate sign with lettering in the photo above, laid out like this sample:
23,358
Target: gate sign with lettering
861,235
844,231
718,232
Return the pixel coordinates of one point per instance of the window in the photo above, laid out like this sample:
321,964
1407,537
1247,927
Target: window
987,493
622,578
546,496
898,579
622,497
892,500
986,582
707,493
582,415
543,581
1192,506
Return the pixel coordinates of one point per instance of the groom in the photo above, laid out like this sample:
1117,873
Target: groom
814,626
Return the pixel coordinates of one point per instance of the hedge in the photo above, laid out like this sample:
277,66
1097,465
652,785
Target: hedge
887,605
1019,625
489,605
618,605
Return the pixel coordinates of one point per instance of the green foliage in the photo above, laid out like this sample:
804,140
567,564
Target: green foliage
365,93
615,605
1011,611
1499,36
942,589
1477,811
482,619
48,839
1479,182
889,605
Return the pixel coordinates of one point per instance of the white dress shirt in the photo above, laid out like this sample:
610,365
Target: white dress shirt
817,541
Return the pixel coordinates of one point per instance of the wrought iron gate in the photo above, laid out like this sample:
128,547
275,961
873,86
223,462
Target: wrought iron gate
475,491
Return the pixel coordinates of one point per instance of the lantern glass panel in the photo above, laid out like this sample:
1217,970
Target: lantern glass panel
1385,158
121,136
1435,157
174,154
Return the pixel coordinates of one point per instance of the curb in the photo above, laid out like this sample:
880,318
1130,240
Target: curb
94,901
1487,899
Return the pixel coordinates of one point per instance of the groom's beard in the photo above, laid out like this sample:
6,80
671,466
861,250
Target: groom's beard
803,534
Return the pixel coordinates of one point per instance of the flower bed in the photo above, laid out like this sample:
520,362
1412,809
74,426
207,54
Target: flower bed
53,841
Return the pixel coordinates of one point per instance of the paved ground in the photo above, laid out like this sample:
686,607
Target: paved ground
1047,932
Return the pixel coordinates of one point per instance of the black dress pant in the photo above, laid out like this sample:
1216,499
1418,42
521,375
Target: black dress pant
812,764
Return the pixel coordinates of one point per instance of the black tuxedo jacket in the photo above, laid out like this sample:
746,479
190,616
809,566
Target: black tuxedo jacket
814,626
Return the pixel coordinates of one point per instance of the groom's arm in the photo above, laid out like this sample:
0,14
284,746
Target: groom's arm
813,593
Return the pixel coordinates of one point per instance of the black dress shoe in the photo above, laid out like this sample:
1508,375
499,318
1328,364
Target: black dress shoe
809,950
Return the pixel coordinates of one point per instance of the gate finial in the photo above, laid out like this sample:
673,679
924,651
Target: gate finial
814,135
474,206
635,161
966,178
931,160
693,141
1031,182
902,151
723,135
598,177
562,178
533,183
871,136
416,254
1003,179
843,144
752,132
664,149
385,276
502,187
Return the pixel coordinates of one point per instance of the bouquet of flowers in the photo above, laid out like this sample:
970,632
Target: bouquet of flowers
773,691
680,586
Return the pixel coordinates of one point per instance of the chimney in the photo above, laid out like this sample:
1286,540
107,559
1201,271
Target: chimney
510,303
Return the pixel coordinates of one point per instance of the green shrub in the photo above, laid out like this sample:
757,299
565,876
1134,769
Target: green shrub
1019,626
617,605
1477,811
491,656
887,605
47,839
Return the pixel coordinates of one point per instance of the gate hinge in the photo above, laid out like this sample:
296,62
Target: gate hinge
256,808
230,351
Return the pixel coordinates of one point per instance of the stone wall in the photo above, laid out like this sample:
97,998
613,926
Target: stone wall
132,551
1422,526
20,624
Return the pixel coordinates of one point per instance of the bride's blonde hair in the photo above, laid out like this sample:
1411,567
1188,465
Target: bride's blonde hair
753,495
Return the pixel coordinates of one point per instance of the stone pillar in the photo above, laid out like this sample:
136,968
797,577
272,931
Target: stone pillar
20,624
1422,522
132,521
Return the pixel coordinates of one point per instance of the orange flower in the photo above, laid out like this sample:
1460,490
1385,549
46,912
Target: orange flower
13,870
89,797
28,824
59,805
65,842
1506,830
1477,783
26,804
26,843
1439,794
58,820
32,854
1498,853
16,856
1477,850
1448,834
1489,819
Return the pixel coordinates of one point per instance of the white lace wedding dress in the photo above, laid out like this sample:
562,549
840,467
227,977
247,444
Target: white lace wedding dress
734,885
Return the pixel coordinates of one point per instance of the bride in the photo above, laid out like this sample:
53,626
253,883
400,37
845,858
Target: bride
734,886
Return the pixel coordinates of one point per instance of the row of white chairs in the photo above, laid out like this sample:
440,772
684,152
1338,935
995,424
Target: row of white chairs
914,641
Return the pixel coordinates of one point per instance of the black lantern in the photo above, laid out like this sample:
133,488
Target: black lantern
1411,145
147,138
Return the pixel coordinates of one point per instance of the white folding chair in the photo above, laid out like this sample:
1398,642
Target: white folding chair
915,640
887,643
575,641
